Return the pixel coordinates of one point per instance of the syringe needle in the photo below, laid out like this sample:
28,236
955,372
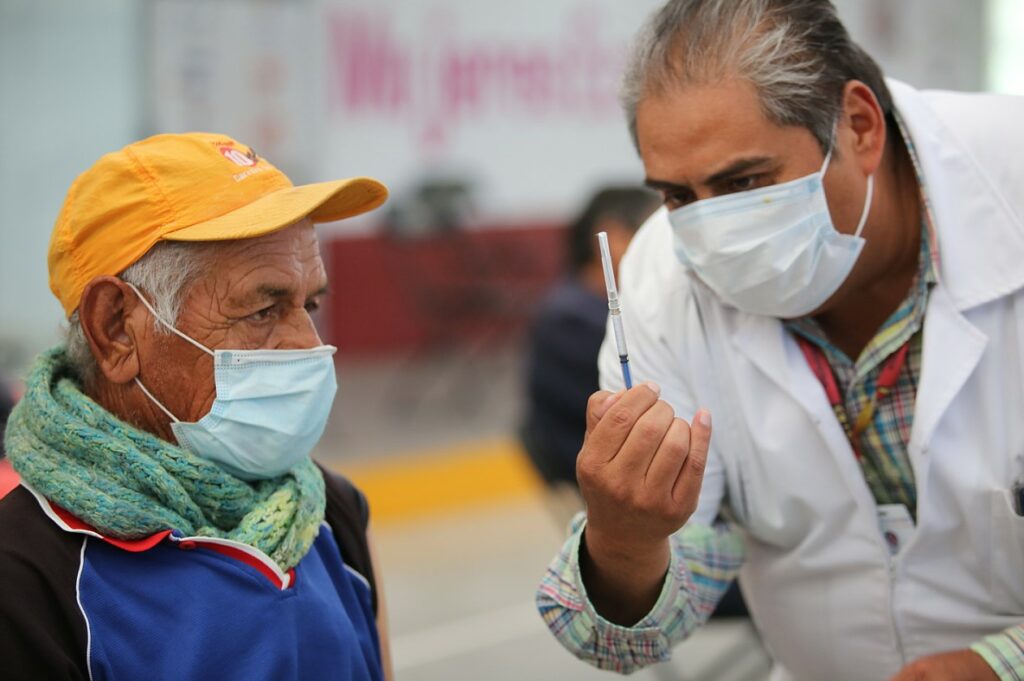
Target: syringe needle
614,308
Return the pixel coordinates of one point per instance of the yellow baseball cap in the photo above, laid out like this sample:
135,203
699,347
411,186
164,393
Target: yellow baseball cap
189,187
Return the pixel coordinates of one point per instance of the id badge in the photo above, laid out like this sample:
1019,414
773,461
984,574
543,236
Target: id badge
896,525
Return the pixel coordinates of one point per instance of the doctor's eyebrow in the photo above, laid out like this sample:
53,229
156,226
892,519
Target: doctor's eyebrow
736,168
665,186
732,170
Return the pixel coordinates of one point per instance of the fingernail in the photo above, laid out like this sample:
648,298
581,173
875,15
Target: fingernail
704,417
653,387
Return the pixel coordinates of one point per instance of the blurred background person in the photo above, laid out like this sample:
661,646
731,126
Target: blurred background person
6,403
566,334
8,478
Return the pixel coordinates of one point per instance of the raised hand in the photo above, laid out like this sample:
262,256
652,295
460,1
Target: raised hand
640,472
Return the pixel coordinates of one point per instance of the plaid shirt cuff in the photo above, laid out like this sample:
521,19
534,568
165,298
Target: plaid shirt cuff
1004,652
703,561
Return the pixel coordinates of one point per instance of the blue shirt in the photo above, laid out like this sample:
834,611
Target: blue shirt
174,607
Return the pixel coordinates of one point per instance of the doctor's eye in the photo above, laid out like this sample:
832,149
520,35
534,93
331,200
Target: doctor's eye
673,200
312,305
745,183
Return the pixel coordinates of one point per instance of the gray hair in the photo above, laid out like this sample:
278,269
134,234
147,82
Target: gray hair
796,53
164,273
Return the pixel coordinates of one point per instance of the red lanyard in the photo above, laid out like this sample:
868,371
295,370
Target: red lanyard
887,378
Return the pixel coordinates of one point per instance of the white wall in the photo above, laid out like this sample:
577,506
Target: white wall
927,43
68,93
77,78
1006,65
519,96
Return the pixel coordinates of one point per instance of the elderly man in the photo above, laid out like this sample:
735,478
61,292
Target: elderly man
170,523
837,277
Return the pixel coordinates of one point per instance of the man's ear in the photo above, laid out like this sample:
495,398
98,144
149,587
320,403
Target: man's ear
867,120
109,314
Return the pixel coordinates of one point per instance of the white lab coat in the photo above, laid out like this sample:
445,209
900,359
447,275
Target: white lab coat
824,593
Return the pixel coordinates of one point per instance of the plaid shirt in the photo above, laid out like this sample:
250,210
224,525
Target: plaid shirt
883,444
705,560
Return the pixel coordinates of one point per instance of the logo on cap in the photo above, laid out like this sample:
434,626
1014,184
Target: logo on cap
238,158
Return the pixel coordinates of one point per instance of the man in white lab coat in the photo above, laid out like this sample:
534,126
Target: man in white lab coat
837,276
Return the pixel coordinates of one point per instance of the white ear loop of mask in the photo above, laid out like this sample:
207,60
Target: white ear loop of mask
160,319
157,402
867,206
867,200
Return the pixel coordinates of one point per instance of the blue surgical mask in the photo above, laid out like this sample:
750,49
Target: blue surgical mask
771,251
270,409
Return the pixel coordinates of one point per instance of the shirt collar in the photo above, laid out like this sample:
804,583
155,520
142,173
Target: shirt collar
929,269
69,523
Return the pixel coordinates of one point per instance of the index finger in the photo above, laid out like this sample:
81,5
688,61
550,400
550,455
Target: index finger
614,418
601,401
598,404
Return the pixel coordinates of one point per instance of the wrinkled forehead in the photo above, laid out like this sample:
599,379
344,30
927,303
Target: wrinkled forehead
286,262
297,240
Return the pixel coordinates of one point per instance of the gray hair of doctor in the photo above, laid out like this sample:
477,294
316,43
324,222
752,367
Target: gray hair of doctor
797,54
164,274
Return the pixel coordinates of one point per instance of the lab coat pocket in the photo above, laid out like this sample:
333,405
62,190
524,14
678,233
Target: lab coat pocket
1007,555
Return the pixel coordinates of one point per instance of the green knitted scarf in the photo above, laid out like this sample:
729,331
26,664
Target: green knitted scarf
129,484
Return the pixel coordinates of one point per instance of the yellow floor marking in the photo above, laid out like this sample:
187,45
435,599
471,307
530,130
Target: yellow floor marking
408,486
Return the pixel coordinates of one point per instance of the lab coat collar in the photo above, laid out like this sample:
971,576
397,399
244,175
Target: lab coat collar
776,354
980,240
952,350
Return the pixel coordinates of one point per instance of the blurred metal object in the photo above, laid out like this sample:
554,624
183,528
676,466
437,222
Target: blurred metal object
471,295
435,206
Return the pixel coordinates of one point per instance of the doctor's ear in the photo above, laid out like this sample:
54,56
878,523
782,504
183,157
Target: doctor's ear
864,123
110,317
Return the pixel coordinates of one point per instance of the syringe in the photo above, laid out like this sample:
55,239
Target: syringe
614,309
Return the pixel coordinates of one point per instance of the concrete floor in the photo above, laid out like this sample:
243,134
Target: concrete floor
460,594
459,583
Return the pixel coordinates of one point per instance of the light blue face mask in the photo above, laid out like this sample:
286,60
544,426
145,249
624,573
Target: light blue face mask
270,409
770,251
